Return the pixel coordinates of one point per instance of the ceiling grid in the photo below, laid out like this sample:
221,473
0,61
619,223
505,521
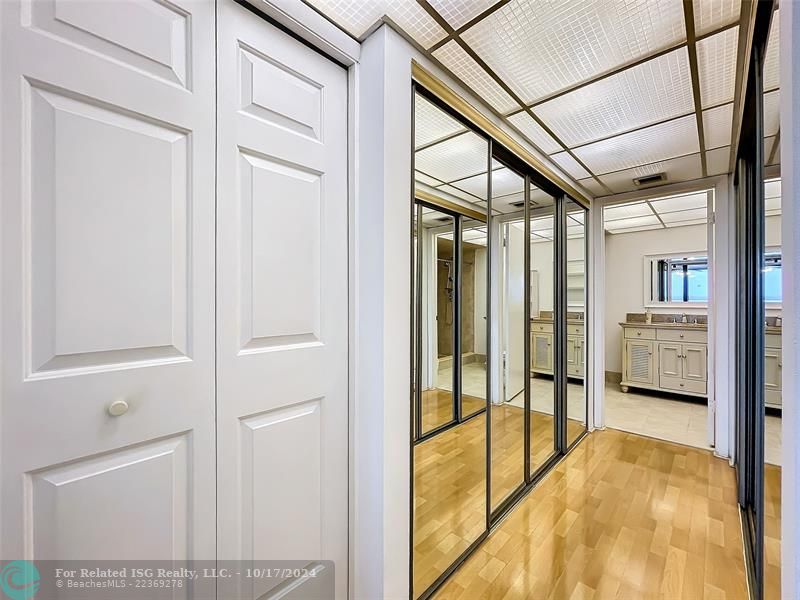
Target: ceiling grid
610,90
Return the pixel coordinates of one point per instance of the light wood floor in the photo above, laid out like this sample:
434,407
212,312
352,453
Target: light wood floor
437,407
772,531
622,516
450,479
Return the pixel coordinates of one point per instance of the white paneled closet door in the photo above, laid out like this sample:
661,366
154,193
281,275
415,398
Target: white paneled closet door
282,298
108,279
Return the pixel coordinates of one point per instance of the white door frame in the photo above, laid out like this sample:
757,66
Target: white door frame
721,414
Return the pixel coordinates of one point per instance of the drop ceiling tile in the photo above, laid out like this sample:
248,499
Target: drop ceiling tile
626,211
477,185
458,157
570,165
431,122
716,64
680,216
509,202
769,148
427,180
684,168
680,203
648,145
656,90
453,56
541,224
534,132
540,198
505,181
717,160
685,223
631,222
459,193
358,16
545,47
594,188
459,12
772,206
772,59
713,14
772,114
717,123
776,157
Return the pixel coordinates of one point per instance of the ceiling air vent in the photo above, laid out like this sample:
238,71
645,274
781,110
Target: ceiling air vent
519,204
443,219
650,179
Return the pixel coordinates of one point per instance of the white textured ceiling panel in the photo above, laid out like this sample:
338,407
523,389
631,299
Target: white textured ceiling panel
357,17
656,90
455,58
683,202
684,168
716,64
648,145
594,188
772,60
505,181
534,132
477,185
717,123
772,114
717,160
540,198
458,157
769,148
421,177
458,193
431,123
713,14
541,47
681,216
627,211
776,156
508,203
685,223
631,222
460,12
570,165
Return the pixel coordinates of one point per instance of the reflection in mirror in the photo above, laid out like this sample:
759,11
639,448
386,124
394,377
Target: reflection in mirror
473,317
437,289
508,406
450,476
542,299
773,397
576,330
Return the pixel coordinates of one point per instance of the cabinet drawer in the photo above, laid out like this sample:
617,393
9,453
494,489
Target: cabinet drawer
772,340
635,333
682,385
682,335
543,327
573,329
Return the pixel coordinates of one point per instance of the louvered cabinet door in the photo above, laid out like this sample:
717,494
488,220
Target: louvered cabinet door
639,366
542,351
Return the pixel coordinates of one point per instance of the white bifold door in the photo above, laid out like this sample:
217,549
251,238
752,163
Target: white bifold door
281,297
174,350
107,280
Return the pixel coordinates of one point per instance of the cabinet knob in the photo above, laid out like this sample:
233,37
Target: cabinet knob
117,408
638,333
681,385
681,335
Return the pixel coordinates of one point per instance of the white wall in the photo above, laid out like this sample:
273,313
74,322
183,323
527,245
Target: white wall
624,281
480,301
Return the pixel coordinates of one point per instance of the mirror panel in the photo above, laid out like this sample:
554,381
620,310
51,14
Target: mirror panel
576,323
542,301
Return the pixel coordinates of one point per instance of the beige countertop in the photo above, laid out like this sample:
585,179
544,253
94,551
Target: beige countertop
665,325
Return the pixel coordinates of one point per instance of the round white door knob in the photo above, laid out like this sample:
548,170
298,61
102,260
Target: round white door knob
118,408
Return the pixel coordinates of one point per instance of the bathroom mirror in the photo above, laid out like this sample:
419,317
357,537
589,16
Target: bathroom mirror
676,279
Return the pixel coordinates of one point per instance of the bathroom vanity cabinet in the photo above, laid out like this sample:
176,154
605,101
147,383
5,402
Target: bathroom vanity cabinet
542,347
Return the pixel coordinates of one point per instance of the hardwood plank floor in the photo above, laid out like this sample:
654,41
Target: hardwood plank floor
772,531
622,516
